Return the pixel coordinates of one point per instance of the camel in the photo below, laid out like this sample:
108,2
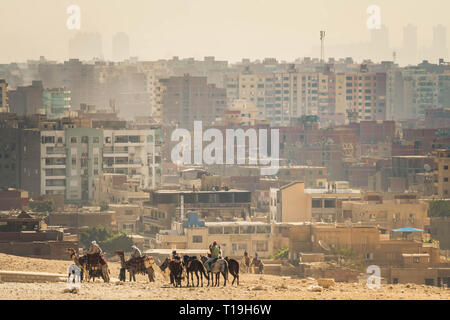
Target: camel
245,263
259,265
90,266
248,265
142,265
220,266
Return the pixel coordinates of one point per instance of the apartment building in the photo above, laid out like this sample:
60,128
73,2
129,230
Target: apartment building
442,174
4,106
295,203
167,206
26,100
185,99
135,153
405,210
366,94
56,102
53,162
290,203
234,237
20,159
414,90
281,96
73,159
276,95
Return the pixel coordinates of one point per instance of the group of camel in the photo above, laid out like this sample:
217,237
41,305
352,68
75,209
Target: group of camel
176,270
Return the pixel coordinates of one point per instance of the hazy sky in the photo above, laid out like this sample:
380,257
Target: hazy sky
227,29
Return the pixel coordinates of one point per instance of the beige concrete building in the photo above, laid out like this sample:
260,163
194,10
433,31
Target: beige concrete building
442,174
126,216
234,237
404,211
4,107
117,188
295,203
290,203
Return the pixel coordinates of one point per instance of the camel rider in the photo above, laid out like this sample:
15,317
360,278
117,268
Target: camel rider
94,248
136,252
255,258
215,251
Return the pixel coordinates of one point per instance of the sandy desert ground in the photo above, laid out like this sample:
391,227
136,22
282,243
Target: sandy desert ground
265,287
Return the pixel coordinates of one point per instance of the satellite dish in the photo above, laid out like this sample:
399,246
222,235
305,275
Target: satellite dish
324,246
427,167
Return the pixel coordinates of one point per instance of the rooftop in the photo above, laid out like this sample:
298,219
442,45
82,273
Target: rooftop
235,223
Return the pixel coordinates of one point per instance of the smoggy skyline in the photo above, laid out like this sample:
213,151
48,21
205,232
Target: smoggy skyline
230,30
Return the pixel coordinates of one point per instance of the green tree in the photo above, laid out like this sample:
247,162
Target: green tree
439,208
107,240
42,205
282,253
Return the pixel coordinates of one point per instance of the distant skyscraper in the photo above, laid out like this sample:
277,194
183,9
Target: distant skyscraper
379,40
86,46
439,47
120,46
410,45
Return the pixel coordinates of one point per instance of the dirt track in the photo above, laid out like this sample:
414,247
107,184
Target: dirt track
251,286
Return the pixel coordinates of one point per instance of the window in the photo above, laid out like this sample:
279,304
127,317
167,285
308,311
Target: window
261,245
197,239
445,167
84,139
316,203
238,247
416,260
330,203
95,139
215,230
73,140
445,179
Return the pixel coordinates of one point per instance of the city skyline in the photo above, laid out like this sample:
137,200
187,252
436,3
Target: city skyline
254,29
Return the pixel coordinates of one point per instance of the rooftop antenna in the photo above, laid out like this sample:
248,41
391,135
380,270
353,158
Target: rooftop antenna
322,46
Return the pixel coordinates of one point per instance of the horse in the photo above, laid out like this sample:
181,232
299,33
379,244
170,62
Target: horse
220,266
233,266
193,265
176,271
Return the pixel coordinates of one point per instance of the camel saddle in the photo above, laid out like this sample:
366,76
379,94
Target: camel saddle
141,263
95,259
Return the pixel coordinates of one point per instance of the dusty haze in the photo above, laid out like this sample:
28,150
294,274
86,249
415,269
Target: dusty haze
231,30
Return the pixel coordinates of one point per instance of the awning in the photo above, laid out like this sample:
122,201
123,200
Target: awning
407,229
